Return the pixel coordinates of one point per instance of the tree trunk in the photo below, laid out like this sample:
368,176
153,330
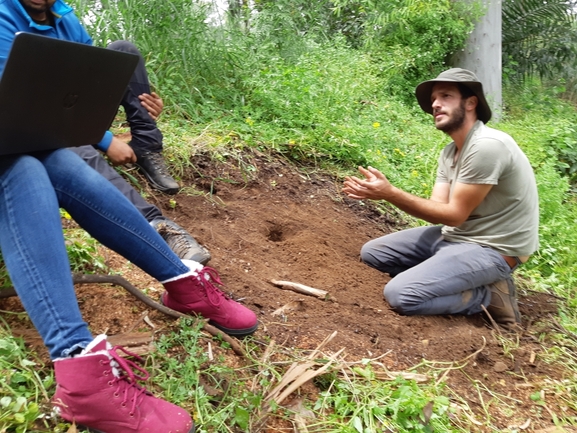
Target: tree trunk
482,55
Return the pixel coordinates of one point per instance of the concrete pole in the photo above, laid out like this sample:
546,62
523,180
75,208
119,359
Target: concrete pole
483,55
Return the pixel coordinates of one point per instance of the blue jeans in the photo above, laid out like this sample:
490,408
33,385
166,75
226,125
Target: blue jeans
32,188
434,276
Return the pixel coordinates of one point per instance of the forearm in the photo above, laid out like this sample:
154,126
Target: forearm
432,211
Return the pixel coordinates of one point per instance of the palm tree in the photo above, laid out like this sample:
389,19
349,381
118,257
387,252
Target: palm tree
539,37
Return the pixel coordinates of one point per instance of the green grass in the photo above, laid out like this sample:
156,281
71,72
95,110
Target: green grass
22,388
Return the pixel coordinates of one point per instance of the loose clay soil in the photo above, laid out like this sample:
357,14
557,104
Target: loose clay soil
263,219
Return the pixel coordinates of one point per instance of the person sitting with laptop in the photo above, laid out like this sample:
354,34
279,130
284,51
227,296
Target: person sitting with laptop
95,385
56,19
140,105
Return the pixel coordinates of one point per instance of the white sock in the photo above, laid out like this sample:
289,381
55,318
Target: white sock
90,346
194,269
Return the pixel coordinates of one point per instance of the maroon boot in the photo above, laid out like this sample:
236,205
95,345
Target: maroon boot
196,293
98,390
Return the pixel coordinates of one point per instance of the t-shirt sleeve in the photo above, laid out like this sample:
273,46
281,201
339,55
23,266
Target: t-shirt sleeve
442,172
485,162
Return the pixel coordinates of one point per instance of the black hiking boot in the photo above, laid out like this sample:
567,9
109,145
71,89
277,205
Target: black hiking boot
154,167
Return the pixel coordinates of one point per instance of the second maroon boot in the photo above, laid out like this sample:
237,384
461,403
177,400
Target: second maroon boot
197,293
98,389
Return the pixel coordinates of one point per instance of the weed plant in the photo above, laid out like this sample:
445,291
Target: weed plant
22,389
228,397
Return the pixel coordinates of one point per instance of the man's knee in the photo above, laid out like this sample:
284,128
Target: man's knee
393,295
367,256
124,46
379,256
399,298
371,255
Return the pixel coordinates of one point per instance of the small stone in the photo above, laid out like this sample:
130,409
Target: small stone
500,367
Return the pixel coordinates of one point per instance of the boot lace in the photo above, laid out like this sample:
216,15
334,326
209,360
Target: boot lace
157,161
126,373
175,238
208,277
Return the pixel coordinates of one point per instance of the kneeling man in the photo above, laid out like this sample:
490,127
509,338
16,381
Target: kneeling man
484,207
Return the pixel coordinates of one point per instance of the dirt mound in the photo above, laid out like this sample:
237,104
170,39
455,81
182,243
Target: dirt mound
264,219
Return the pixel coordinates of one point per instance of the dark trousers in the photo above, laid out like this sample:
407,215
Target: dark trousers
145,133
95,160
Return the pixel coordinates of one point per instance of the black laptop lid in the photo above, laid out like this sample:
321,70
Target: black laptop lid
56,93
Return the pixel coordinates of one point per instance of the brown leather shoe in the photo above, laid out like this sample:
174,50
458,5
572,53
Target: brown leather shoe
180,241
503,307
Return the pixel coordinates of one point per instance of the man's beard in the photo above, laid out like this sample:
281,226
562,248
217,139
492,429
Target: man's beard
456,121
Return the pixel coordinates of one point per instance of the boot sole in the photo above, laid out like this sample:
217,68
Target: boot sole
232,332
236,332
91,430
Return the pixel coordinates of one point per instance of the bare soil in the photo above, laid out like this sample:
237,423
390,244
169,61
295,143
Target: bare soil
263,219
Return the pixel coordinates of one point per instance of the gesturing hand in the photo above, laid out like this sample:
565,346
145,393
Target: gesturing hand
375,186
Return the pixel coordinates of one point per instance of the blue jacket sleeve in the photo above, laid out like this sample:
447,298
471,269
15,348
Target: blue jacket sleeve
104,144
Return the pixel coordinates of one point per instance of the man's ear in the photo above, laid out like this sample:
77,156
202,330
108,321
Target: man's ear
471,103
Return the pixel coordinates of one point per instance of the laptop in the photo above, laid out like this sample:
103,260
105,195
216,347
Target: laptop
56,93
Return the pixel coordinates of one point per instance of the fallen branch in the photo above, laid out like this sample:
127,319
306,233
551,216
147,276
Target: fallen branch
301,288
138,294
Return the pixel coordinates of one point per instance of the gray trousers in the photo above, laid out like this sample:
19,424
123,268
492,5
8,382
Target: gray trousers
95,160
433,276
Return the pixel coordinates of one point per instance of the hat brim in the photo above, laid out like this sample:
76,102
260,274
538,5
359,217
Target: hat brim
425,89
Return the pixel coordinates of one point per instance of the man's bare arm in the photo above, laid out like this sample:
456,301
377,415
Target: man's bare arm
450,210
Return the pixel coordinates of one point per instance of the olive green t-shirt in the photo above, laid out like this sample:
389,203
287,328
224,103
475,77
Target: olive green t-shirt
507,220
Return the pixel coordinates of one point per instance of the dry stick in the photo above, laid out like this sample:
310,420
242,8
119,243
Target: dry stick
562,329
552,295
118,280
301,288
492,320
295,376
